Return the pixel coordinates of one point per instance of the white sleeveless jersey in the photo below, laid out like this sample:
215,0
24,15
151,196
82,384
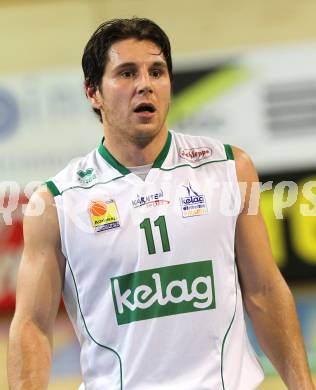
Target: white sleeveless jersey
151,284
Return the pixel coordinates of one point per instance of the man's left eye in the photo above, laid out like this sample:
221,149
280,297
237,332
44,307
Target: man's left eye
155,73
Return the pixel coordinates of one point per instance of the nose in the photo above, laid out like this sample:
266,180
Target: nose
144,86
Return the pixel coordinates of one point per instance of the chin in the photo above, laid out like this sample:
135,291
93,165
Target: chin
144,134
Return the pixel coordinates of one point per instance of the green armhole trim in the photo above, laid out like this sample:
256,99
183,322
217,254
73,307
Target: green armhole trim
229,152
52,188
226,334
90,335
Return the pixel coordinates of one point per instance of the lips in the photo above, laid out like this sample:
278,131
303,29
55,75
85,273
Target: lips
145,107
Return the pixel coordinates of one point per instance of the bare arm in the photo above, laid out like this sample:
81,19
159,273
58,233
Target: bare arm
39,286
267,298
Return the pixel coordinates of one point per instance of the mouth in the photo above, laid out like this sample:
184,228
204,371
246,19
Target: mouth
145,108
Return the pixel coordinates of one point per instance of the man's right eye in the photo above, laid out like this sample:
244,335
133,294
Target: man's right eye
126,74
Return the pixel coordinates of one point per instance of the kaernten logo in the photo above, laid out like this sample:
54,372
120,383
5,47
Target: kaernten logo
164,291
151,200
195,154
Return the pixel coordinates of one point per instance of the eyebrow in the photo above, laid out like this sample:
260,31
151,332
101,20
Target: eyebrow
156,64
159,64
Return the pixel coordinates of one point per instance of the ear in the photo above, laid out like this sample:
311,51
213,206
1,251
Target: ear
94,96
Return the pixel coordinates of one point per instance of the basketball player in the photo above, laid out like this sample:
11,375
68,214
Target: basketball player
141,235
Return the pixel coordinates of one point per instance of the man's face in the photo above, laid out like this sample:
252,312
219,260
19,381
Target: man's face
134,96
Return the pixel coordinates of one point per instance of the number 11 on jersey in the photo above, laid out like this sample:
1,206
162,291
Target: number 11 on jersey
160,222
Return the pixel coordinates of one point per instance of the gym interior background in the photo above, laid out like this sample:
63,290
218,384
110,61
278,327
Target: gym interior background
245,72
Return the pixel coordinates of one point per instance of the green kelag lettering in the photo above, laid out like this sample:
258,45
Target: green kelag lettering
164,291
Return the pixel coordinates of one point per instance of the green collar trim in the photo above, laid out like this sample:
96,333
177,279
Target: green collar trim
111,159
163,154
121,168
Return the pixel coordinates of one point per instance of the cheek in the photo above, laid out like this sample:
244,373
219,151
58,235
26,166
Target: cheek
115,100
112,92
166,97
166,91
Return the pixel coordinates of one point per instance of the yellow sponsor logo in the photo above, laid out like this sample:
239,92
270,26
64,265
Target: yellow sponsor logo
104,215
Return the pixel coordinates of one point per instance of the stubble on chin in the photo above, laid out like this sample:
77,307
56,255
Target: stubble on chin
142,138
127,132
131,136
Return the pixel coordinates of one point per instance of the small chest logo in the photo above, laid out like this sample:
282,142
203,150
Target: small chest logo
104,215
193,204
195,154
87,176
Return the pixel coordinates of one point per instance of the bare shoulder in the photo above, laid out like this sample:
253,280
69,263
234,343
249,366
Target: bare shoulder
248,181
41,230
40,225
246,171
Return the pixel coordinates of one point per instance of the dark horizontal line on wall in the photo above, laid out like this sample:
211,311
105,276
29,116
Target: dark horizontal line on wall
293,124
281,96
291,109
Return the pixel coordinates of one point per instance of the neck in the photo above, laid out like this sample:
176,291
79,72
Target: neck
136,151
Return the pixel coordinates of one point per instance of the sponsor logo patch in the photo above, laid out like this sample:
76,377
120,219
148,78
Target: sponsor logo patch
104,215
87,176
193,204
195,154
165,291
151,200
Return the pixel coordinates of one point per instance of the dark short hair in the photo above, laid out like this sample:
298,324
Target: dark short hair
95,55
